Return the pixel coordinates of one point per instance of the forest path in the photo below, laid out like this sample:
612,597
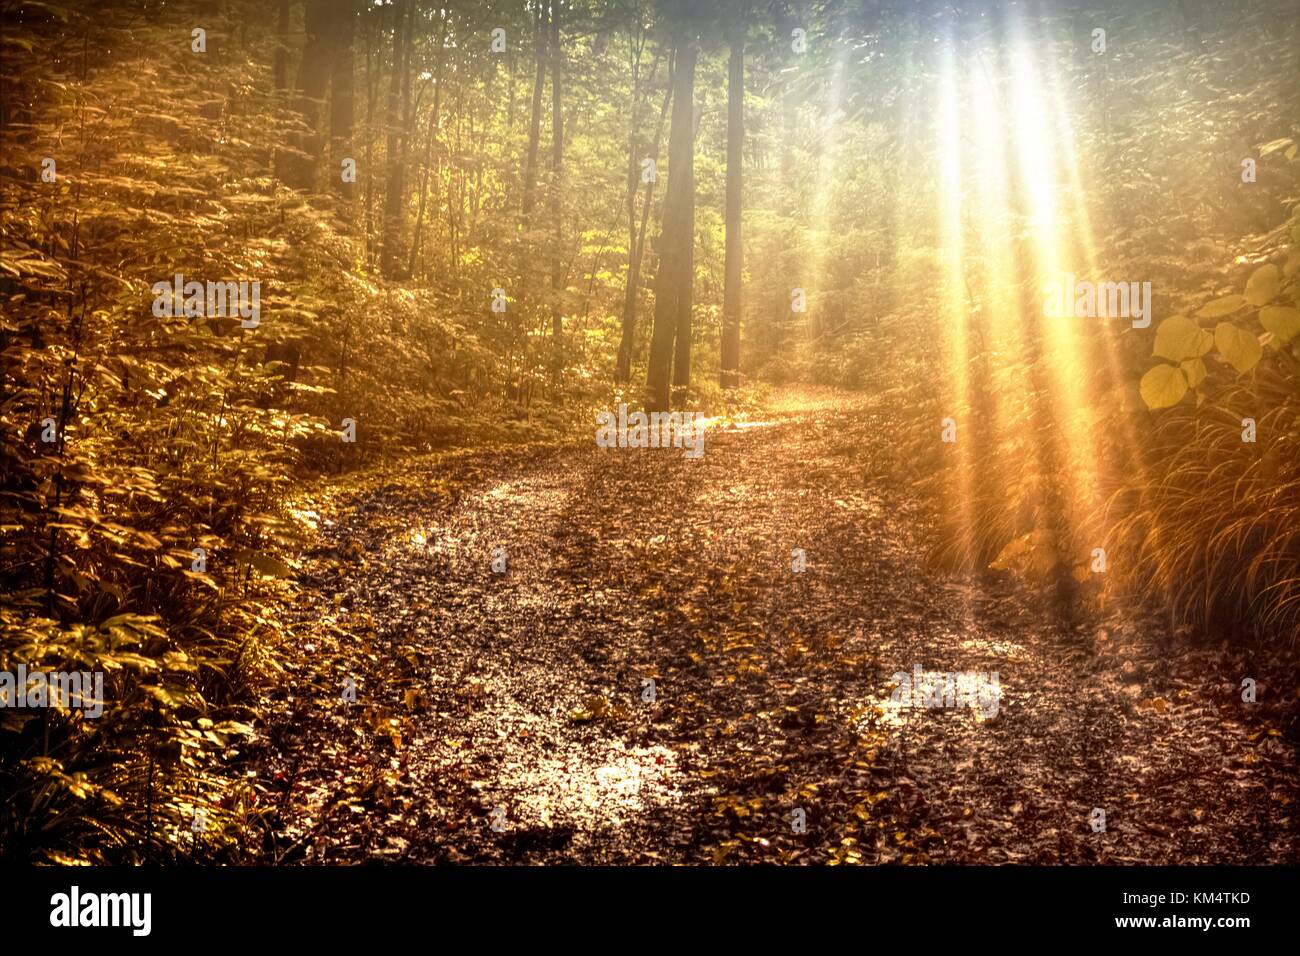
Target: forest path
500,717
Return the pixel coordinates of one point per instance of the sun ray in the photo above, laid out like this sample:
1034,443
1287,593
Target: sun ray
825,180
1064,347
955,304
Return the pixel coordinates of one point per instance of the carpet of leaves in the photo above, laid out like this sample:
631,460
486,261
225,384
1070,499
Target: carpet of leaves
506,717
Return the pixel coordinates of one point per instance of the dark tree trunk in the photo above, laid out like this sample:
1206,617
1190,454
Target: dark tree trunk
299,171
670,343
535,123
636,242
731,296
510,99
390,255
282,48
557,170
342,97
372,83
623,364
434,118
518,344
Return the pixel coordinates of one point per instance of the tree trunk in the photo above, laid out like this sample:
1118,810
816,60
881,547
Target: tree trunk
535,123
518,344
731,296
670,343
313,83
396,178
282,48
510,100
623,365
785,22
342,98
636,244
428,172
557,170
372,81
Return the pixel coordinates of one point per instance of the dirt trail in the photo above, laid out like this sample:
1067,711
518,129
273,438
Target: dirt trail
504,716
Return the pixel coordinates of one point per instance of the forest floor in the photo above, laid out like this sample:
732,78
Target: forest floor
501,717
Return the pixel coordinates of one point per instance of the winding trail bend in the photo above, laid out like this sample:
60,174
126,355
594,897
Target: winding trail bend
509,717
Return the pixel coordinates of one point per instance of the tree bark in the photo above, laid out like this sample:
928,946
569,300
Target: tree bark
372,82
731,296
557,171
434,118
299,171
670,343
342,98
636,241
282,48
518,343
390,254
535,123
623,364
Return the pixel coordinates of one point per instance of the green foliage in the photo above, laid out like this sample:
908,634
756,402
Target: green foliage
1212,525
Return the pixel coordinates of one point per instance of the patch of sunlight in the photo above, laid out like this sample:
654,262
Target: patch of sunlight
884,715
727,423
611,787
430,541
504,489
857,503
891,716
988,647
305,517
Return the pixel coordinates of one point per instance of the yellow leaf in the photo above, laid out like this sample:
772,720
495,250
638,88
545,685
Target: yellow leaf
1240,348
1224,306
1195,371
1178,338
1282,320
1163,386
1263,285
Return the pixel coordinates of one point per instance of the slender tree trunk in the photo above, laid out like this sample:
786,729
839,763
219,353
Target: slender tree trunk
535,123
455,185
390,254
372,80
282,48
785,22
733,271
313,83
636,244
557,172
670,343
428,172
510,99
342,96
518,345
